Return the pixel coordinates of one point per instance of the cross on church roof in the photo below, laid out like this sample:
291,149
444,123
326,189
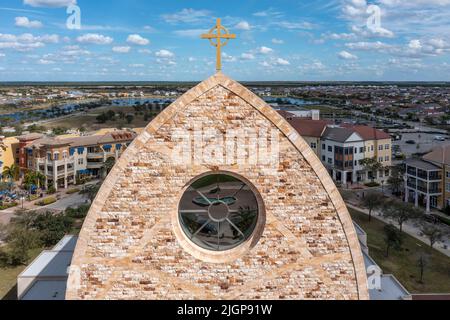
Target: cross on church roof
219,32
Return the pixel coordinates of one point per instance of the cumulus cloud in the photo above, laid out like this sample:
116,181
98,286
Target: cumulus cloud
281,62
95,38
137,40
166,54
247,56
24,22
277,41
187,15
345,55
121,49
26,41
50,3
243,25
264,50
228,58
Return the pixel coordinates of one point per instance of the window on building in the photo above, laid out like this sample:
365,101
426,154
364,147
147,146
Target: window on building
65,155
387,147
362,149
323,146
380,148
448,187
80,161
380,159
386,158
330,161
56,156
313,145
49,156
448,174
371,148
330,149
218,212
323,158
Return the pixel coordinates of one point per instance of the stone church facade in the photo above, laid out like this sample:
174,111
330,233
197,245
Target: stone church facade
135,244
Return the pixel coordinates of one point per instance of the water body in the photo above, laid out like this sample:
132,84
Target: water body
70,108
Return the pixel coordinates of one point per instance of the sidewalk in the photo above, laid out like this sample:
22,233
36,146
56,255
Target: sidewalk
408,228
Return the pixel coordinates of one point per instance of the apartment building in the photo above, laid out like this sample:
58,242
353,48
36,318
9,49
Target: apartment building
64,160
9,153
427,180
341,148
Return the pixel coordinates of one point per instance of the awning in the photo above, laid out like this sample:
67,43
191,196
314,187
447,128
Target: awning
107,147
80,150
118,146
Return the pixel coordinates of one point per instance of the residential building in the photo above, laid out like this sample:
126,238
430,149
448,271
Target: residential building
342,153
341,148
9,153
427,180
64,160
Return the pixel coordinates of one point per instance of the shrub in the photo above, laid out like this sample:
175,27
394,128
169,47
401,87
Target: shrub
5,206
51,190
372,184
72,191
46,201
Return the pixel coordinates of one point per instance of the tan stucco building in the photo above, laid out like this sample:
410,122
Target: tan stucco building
218,227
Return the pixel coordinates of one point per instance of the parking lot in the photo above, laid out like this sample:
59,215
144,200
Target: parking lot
423,143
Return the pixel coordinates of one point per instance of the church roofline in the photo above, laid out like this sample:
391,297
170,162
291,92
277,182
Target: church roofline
219,79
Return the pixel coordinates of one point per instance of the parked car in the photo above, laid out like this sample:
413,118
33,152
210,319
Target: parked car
439,138
410,142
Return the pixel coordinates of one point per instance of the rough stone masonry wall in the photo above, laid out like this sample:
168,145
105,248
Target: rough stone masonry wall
131,251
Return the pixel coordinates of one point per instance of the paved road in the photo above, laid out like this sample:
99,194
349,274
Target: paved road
66,202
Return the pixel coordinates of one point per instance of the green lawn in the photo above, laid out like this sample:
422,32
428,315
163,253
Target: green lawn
404,263
8,278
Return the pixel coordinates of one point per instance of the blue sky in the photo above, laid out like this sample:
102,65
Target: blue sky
276,40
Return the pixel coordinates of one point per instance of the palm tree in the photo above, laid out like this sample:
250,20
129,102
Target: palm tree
12,173
108,165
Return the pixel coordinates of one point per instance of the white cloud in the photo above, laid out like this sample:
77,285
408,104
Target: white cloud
166,54
24,22
190,33
2,55
187,16
415,44
95,38
281,62
264,50
145,51
26,41
294,25
277,41
368,46
226,57
45,62
345,55
138,40
268,13
247,56
136,65
121,49
243,25
50,3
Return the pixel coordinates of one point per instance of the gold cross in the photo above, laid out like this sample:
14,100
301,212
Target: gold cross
218,35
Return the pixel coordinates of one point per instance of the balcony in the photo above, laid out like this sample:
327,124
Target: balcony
94,165
98,155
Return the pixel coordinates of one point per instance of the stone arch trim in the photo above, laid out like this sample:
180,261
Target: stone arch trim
273,116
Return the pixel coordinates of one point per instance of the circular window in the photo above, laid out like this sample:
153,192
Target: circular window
218,212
